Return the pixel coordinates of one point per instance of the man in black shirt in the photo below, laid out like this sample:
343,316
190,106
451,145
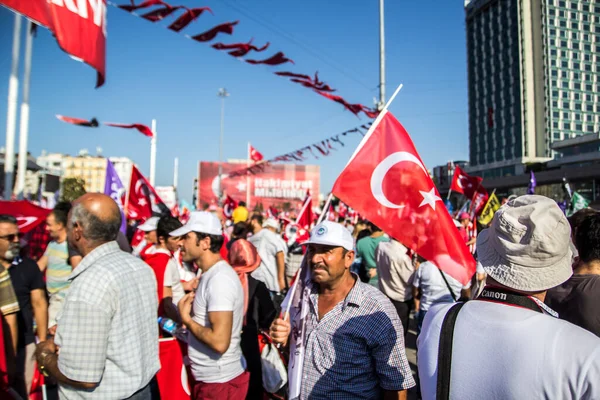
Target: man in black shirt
29,286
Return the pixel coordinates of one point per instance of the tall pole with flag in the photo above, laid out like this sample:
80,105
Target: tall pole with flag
24,125
381,57
176,172
222,94
11,117
153,153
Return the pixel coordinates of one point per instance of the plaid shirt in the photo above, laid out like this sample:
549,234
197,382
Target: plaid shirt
356,350
107,330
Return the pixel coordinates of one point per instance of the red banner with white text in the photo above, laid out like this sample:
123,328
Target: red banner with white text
276,185
79,27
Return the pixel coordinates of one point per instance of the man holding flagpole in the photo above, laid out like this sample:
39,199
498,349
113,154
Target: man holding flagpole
353,342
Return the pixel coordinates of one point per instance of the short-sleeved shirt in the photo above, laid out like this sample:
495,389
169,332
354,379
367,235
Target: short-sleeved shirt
365,249
26,277
395,269
505,352
433,288
9,304
356,350
268,245
219,289
107,330
578,301
58,269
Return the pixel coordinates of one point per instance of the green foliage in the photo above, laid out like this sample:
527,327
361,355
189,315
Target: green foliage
72,189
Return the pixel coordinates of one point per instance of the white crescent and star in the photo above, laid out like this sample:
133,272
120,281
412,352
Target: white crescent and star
379,173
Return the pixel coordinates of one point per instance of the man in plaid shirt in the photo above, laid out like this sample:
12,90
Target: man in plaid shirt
107,331
354,342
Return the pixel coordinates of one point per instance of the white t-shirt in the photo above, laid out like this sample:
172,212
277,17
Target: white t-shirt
505,352
432,285
268,245
219,289
173,280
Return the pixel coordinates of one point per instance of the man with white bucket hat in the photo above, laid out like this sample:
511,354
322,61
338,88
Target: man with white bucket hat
507,344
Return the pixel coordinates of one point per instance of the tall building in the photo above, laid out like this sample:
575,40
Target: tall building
534,77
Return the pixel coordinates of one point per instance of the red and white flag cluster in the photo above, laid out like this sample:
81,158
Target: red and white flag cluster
240,49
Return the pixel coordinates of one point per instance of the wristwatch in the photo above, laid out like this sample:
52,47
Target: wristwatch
42,367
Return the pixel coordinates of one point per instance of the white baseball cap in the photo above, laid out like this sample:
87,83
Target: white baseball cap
200,221
271,223
331,234
150,224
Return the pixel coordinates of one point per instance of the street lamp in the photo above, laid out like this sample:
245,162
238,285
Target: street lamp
222,94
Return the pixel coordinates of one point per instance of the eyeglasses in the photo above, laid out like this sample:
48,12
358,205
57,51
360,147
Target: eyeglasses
12,236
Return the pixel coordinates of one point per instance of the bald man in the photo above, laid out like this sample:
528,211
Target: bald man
108,332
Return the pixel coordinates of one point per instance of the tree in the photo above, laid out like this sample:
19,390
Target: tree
72,189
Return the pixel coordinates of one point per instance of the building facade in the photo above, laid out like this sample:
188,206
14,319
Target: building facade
533,71
90,168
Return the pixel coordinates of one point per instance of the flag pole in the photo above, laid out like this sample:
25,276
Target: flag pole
325,208
248,179
11,118
153,153
449,193
374,125
24,125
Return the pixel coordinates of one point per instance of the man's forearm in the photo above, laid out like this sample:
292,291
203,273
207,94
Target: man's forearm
206,336
394,395
281,270
51,367
13,329
40,313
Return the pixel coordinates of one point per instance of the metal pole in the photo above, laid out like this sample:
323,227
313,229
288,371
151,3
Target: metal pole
24,128
11,118
222,94
248,179
153,153
176,172
381,57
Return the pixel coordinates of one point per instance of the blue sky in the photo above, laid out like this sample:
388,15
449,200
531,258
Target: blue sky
155,73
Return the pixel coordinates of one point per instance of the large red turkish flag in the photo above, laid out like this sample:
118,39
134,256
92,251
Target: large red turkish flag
79,27
387,183
464,183
143,202
305,215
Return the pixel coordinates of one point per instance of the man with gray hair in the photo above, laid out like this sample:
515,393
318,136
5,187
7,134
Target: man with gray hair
507,344
107,331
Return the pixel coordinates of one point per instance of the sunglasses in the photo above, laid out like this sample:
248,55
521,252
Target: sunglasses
12,236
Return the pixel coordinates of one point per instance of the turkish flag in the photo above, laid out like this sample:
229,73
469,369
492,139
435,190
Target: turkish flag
387,183
464,183
254,154
305,216
28,215
172,378
143,202
228,206
79,27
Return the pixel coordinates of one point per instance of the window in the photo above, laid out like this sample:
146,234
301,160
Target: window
577,86
588,87
576,96
563,24
577,117
555,124
567,125
579,127
576,75
565,84
589,108
565,115
565,104
555,114
564,74
554,73
555,93
564,64
587,57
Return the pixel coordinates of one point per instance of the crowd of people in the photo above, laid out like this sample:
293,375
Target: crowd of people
89,312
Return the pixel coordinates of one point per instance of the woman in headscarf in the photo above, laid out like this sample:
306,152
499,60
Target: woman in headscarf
259,310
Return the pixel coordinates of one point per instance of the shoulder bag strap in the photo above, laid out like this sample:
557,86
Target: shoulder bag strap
447,285
445,352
